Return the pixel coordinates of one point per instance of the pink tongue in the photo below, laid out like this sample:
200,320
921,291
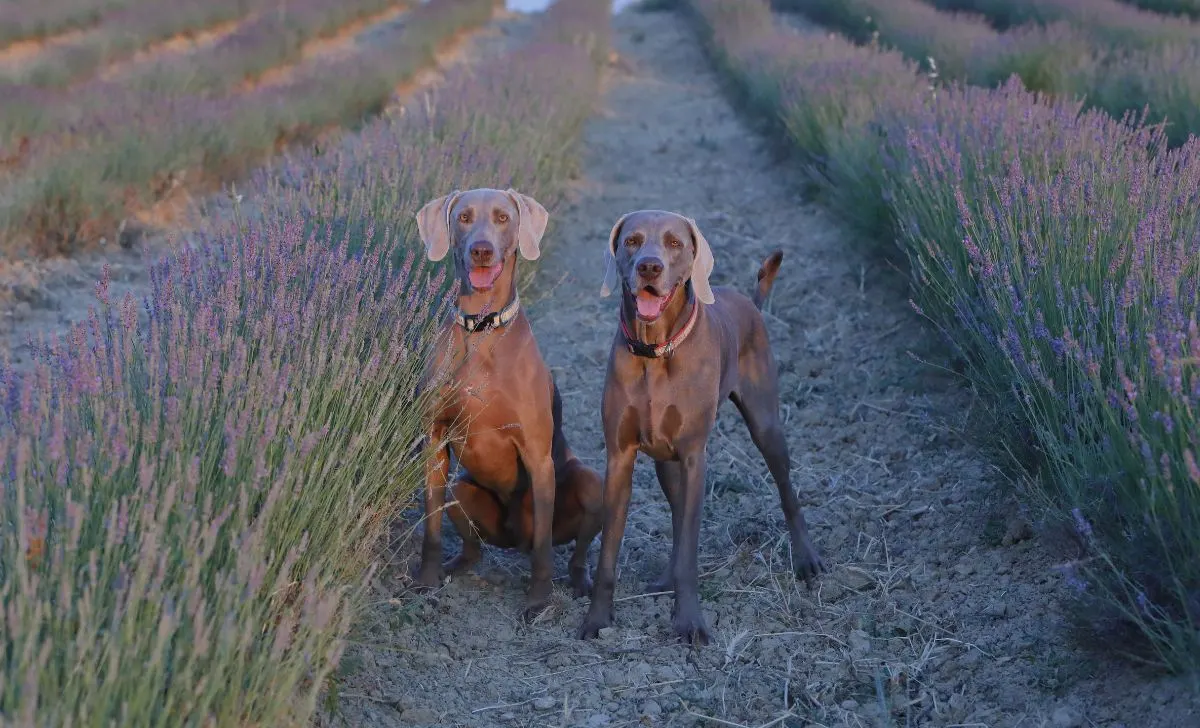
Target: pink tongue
648,306
482,277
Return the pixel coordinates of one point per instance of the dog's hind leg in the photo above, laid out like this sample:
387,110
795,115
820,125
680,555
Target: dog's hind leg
758,403
478,517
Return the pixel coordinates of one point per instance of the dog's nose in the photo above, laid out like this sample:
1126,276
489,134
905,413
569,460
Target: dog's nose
650,268
482,253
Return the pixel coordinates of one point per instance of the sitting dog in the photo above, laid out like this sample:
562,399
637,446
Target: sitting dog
522,486
680,350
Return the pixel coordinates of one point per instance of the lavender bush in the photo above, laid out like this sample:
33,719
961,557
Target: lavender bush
960,46
1056,248
1054,58
1111,20
195,485
62,192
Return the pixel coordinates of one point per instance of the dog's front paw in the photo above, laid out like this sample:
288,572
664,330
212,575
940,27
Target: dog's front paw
808,564
691,628
595,621
428,575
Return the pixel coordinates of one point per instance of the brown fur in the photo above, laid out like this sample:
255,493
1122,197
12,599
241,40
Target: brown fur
522,486
666,407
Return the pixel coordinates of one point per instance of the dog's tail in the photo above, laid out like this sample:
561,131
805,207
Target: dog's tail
766,277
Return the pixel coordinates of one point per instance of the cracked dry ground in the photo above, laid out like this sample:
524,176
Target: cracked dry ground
939,598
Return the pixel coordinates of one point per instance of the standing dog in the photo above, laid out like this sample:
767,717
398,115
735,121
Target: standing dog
682,348
523,487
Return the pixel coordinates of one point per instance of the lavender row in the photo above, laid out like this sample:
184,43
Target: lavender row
1110,20
126,30
195,485
271,38
39,19
65,196
1056,248
1188,8
1056,58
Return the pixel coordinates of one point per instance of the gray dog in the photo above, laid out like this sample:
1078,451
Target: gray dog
681,349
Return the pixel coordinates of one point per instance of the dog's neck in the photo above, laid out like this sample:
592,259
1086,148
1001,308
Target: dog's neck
668,324
474,303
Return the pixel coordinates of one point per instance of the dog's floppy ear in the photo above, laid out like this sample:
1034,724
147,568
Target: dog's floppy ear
702,264
611,281
531,224
433,225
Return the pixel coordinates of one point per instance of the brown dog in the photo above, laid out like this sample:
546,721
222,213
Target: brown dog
681,349
523,487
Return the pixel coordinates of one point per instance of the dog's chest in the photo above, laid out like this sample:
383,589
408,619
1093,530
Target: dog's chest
488,434
659,419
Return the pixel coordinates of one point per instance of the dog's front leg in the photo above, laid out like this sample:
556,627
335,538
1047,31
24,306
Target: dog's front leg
688,620
437,473
618,486
541,556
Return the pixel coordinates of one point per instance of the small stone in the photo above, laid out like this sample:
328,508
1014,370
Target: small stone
957,702
1066,717
996,609
607,633
651,708
508,716
546,702
964,569
419,716
849,704
599,719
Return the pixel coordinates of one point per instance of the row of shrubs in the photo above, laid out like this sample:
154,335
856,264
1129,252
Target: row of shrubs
1057,249
119,31
1054,52
195,485
123,158
1115,21
35,20
36,115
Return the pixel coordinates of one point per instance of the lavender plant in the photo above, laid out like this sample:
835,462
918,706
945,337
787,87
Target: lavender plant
195,485
1056,248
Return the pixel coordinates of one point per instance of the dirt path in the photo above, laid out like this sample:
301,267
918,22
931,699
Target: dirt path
938,597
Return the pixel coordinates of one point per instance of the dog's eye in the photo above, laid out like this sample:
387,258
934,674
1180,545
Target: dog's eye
502,217
464,217
674,243
631,241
